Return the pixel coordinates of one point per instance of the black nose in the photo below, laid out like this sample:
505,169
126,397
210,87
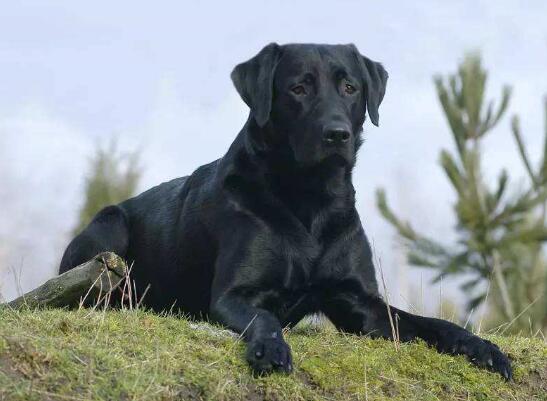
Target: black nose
336,135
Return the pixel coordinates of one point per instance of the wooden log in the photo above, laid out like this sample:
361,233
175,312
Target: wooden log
102,274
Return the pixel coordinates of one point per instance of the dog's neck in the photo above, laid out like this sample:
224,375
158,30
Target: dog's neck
306,191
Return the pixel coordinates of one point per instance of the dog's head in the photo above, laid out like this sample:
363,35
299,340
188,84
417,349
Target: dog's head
313,97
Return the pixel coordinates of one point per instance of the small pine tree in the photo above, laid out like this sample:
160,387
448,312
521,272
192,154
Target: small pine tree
500,235
113,178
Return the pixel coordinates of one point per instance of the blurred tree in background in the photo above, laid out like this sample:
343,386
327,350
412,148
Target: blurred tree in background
113,178
500,232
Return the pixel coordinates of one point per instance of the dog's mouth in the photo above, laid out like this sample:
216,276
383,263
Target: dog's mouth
336,159
325,156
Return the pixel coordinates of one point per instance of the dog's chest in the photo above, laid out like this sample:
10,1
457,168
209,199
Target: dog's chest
300,283
290,306
307,259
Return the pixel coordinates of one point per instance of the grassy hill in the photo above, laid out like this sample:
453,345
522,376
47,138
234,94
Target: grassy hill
135,355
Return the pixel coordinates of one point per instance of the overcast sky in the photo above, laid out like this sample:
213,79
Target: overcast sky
156,76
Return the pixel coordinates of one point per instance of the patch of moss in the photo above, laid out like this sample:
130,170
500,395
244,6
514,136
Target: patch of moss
136,355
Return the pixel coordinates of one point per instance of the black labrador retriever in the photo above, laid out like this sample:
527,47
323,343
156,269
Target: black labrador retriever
269,233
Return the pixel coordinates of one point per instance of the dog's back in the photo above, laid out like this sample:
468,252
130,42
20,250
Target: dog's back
163,236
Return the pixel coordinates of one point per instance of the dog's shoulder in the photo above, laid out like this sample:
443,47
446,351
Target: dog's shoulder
203,176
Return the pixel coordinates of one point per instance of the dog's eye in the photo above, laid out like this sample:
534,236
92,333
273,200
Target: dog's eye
298,90
350,89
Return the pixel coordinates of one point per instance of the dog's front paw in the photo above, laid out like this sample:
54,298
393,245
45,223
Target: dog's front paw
266,355
482,353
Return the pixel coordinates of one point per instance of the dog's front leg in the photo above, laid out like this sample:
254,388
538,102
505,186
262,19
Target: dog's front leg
361,313
266,349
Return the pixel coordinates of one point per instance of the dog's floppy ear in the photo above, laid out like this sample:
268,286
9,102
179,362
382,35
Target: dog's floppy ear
374,78
253,80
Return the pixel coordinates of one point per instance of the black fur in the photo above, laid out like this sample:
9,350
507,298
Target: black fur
269,233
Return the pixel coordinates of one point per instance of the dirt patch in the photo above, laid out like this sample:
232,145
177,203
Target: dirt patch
389,389
254,393
25,359
189,393
309,382
7,367
536,380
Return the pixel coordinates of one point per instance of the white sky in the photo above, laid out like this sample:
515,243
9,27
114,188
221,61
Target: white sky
156,76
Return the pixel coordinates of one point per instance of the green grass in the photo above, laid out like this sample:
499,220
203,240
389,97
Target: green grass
135,355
